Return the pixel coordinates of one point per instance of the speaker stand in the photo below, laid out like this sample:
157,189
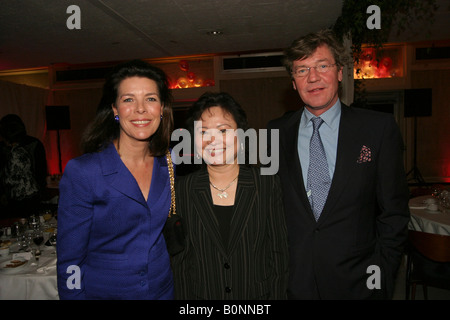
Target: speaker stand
59,150
415,170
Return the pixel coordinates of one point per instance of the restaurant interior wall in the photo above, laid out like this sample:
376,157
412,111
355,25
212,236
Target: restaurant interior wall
433,135
266,95
433,149
34,78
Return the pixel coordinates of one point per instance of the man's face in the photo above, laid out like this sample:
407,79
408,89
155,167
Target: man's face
319,91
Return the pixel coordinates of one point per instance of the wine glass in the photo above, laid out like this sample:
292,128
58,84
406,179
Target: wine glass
445,204
52,241
38,238
23,225
25,241
33,222
444,194
47,215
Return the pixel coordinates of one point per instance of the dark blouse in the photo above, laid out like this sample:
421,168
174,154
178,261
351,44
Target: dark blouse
224,215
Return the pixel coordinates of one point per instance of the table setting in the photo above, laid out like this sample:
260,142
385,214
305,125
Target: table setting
431,213
28,260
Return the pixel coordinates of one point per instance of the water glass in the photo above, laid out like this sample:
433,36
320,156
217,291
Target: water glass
445,204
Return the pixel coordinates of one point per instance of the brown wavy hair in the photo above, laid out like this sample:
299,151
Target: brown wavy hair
305,46
104,129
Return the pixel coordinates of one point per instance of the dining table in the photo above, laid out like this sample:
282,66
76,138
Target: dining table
426,220
23,274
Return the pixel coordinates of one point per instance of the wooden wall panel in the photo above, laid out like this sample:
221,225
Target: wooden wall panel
263,99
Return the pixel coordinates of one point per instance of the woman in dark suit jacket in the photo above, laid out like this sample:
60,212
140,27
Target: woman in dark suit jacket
236,234
114,200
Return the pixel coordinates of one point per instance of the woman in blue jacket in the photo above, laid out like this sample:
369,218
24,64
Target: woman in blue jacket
115,199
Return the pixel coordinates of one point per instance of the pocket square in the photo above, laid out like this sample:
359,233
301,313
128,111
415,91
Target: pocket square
365,155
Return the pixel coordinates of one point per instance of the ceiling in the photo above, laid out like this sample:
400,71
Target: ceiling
33,33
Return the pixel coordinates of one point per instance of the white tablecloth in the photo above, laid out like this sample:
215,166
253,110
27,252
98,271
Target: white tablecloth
33,282
426,220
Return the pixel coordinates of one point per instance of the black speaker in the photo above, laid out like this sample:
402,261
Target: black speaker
418,102
57,117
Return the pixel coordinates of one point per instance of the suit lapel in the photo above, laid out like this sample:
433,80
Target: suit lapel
118,176
243,206
345,159
203,205
160,179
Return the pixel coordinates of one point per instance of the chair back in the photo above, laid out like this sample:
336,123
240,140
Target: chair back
435,247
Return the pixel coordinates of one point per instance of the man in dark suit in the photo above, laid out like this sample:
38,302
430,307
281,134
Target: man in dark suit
346,237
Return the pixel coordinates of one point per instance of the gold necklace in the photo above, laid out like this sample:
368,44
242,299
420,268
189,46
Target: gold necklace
223,193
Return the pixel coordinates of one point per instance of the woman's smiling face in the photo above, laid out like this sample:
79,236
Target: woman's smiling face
139,108
215,138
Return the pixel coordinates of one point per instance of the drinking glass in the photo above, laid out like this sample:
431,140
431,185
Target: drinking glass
445,204
34,222
23,225
52,241
38,239
25,241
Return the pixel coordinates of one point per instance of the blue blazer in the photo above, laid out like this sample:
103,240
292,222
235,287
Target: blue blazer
108,231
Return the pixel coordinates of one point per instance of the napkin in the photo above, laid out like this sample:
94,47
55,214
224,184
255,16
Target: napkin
24,255
417,207
47,267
